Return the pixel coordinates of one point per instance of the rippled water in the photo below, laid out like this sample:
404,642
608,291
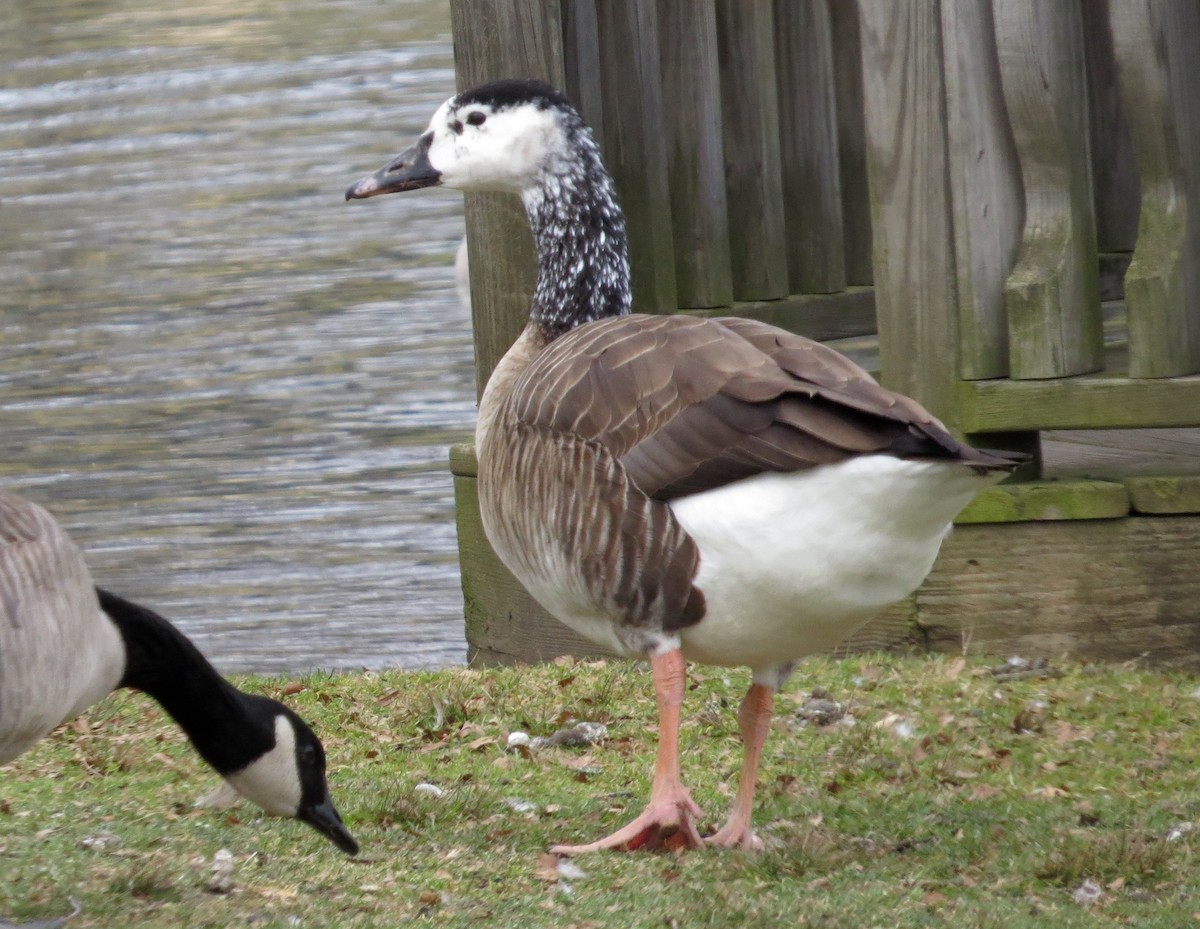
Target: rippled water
236,390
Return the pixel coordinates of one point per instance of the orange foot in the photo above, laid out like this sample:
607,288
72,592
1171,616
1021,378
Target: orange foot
735,835
668,822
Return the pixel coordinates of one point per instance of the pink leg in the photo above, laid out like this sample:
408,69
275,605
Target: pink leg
754,720
670,811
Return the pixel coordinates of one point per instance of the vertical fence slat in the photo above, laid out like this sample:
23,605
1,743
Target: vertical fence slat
808,142
753,179
852,154
502,258
915,294
987,203
1157,49
581,61
1114,171
1053,299
635,145
691,88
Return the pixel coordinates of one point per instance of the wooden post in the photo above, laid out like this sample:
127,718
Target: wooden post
753,179
808,141
691,90
635,147
915,293
985,180
1157,48
852,153
502,259
1055,326
581,61
1114,170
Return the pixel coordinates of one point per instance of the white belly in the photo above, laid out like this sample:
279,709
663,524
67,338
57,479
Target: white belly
791,564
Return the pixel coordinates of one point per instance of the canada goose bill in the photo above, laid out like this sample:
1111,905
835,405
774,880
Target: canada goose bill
65,644
676,488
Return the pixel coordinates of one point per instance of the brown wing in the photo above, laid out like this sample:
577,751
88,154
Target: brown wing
687,404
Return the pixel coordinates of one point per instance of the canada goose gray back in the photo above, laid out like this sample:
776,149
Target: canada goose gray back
679,488
65,644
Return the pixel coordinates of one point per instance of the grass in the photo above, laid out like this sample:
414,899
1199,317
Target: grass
955,798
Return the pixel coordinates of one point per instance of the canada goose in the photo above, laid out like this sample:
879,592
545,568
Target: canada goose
65,644
716,490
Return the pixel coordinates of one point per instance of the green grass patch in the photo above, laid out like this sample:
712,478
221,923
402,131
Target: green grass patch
948,797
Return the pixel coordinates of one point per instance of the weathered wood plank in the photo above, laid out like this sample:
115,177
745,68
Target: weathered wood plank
1177,493
1157,48
852,142
635,146
985,180
1115,590
691,89
750,120
581,62
818,316
1053,292
1088,402
915,293
1116,187
808,144
1115,454
502,259
1047,500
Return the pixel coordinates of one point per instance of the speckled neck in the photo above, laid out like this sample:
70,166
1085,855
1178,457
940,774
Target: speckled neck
579,233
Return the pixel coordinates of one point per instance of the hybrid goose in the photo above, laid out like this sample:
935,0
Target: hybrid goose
65,644
717,490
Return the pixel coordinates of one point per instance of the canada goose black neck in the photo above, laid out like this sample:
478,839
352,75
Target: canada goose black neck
228,728
579,234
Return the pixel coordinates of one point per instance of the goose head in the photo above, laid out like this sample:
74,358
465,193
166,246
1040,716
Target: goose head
525,137
285,773
503,136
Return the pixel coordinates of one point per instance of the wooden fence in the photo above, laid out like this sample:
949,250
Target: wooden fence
1006,191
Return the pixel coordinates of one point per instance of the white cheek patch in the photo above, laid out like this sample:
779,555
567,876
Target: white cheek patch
273,781
508,152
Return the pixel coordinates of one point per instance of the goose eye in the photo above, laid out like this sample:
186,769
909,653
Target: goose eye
477,118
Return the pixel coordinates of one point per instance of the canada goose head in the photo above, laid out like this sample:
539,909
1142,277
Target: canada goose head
526,137
286,777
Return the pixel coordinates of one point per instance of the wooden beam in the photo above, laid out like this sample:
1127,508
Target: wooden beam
818,316
1097,401
1113,589
691,88
808,142
753,167
985,180
915,293
1157,47
635,147
851,141
1053,294
1115,183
